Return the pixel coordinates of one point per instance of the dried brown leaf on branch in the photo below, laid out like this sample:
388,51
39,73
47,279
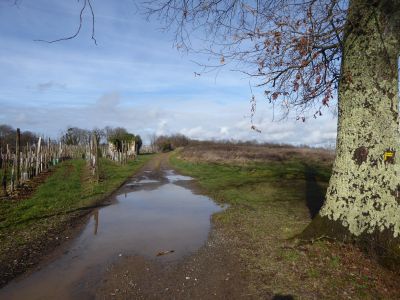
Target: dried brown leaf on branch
285,46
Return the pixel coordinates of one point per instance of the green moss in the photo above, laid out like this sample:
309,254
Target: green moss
363,195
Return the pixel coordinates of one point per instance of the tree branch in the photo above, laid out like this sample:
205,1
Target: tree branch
86,3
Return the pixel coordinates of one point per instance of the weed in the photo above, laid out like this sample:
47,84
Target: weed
290,255
335,261
313,273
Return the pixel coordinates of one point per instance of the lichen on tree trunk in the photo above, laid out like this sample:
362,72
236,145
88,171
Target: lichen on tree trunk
364,190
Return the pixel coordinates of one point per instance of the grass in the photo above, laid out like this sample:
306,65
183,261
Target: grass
255,184
269,203
243,153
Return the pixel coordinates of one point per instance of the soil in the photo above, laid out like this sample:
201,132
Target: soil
214,271
26,189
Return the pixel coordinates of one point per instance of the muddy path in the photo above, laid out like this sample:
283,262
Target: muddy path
155,241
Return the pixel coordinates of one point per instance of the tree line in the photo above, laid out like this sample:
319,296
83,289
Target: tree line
114,135
8,137
73,136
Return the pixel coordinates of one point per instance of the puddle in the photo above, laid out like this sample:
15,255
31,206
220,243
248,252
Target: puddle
145,220
143,181
173,177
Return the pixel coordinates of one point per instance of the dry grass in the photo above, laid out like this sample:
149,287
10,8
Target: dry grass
246,153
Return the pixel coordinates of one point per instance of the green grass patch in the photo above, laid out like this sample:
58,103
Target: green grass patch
290,255
255,184
70,187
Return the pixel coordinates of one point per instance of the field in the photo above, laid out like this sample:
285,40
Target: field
272,193
34,226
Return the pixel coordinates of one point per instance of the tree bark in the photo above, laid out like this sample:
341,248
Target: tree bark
363,196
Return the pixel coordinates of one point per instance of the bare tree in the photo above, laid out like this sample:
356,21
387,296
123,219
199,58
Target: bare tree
8,137
75,136
99,134
292,48
304,52
153,142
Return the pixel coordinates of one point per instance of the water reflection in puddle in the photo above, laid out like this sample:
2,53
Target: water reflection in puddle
142,181
148,216
173,177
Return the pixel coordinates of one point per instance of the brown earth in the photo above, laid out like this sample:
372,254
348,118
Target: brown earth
26,189
214,271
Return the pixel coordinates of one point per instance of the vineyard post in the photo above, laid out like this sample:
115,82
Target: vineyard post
18,157
50,153
37,156
26,164
60,153
30,162
94,157
12,185
4,179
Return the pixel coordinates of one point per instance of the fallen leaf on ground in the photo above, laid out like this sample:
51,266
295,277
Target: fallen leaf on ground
165,252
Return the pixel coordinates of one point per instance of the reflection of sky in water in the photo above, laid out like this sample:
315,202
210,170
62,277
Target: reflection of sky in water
172,176
143,181
145,222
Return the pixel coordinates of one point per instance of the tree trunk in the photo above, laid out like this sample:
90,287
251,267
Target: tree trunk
363,196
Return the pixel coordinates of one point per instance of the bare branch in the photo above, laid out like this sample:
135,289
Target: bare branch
292,48
85,4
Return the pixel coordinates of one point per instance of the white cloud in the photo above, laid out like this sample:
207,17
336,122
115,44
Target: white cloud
217,121
224,130
162,127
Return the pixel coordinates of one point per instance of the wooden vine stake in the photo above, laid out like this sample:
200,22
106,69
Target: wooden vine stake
95,157
4,179
38,156
18,158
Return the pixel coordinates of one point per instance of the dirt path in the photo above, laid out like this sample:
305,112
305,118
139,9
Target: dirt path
214,271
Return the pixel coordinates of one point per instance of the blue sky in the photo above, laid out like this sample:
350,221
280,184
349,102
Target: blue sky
133,78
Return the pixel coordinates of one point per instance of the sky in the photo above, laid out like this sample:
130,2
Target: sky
133,78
